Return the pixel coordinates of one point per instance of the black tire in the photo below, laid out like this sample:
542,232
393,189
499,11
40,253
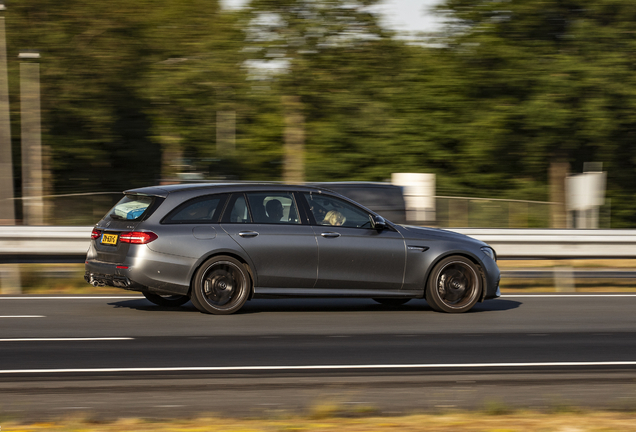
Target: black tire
454,285
391,301
221,286
167,300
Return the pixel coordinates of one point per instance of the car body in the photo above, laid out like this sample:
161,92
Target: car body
220,245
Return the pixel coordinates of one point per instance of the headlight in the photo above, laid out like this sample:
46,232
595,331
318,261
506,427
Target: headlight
490,252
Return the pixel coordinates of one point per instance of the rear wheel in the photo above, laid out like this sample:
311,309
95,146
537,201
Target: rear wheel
454,285
167,300
391,301
221,286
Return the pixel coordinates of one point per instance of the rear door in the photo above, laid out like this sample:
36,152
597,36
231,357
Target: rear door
282,248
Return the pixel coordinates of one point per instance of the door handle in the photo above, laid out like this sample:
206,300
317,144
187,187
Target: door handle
330,234
248,233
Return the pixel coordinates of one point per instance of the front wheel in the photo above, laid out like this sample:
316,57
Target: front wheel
166,300
221,286
454,285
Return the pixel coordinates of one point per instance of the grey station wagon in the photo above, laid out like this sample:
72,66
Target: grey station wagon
220,245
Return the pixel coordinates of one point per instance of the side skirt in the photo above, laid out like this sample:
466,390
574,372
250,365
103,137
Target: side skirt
320,292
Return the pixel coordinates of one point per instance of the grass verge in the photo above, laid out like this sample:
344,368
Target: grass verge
497,421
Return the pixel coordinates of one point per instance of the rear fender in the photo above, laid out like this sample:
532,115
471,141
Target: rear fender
244,258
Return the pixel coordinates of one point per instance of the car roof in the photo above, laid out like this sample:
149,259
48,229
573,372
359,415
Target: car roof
353,183
165,190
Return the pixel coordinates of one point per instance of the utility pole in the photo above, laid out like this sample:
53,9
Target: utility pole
557,174
32,182
294,168
7,205
225,133
10,280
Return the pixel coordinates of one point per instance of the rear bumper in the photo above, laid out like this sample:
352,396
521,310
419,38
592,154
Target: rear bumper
147,274
97,279
107,274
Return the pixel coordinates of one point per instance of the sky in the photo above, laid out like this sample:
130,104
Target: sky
409,15
399,15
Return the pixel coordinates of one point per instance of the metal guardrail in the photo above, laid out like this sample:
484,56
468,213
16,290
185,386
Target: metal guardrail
69,244
557,243
548,273
19,244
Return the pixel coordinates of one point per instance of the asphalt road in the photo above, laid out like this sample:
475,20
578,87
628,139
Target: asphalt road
120,356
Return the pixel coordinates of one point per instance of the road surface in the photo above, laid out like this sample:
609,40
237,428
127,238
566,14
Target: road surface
114,356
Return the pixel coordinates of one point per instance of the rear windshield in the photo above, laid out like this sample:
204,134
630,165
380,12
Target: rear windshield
131,207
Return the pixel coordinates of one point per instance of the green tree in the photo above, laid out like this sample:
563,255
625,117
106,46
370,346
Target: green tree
546,81
93,54
342,65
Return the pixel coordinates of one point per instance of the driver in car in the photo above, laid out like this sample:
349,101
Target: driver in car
334,218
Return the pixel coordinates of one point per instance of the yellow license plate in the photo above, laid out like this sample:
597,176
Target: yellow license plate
110,239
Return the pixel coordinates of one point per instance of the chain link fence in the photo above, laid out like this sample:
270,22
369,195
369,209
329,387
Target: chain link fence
464,212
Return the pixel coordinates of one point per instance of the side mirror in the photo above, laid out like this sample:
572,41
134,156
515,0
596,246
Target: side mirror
379,223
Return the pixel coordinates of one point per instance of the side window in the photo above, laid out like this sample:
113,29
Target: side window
199,210
237,211
332,211
273,207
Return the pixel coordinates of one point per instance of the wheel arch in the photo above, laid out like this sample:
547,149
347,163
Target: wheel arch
464,254
248,267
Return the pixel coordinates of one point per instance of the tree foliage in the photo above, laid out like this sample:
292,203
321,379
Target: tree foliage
549,81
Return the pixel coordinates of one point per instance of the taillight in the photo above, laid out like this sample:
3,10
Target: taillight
137,237
96,234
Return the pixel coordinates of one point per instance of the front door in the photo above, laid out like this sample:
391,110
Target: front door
351,254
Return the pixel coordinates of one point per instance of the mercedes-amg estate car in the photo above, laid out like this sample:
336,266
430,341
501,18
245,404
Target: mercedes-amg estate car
220,245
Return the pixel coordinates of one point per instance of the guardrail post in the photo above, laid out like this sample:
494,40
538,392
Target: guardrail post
10,280
564,279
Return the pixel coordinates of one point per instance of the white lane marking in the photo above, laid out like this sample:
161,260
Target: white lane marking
317,367
22,316
72,408
568,295
65,339
72,298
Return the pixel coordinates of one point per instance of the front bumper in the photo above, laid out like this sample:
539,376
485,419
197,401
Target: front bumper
492,279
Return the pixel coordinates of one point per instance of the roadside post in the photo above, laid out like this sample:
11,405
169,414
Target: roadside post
10,282
32,181
7,208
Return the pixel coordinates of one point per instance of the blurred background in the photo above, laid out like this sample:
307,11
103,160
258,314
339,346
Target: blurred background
500,101
498,118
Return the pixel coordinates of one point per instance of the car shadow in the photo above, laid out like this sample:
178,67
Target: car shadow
145,305
496,305
318,305
360,305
